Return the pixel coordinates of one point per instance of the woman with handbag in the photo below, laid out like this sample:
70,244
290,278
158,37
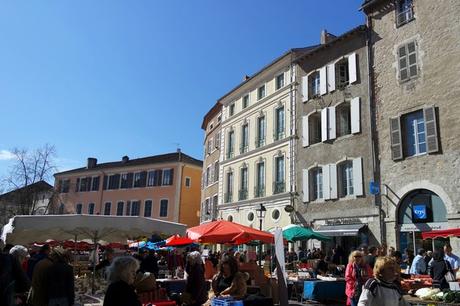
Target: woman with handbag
440,270
357,273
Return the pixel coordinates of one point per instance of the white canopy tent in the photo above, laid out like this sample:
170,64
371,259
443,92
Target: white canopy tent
28,229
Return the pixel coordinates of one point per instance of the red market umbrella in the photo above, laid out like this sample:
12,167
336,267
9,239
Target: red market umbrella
227,232
176,240
453,232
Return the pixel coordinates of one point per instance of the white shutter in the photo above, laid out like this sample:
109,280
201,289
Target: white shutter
305,88
358,176
305,140
322,81
333,180
324,125
306,195
352,69
331,77
331,123
326,186
355,115
431,130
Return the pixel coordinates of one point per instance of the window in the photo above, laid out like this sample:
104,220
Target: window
244,138
214,206
230,218
243,192
343,120
85,184
188,182
79,209
317,183
251,216
231,109
140,179
135,208
279,175
65,186
229,194
114,181
260,180
107,208
95,183
343,76
91,209
315,83
210,145
164,208
150,178
206,207
207,176
346,179
157,177
279,123
148,208
279,81
314,128
246,101
168,177
120,206
275,214
216,171
260,141
414,139
407,59
217,140
261,92
128,208
126,180
231,144
404,12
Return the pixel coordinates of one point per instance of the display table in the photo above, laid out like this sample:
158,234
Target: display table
415,301
319,290
172,285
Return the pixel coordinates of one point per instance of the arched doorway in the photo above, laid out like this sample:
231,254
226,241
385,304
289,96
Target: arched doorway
419,211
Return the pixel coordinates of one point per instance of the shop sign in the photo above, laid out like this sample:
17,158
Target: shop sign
343,221
423,227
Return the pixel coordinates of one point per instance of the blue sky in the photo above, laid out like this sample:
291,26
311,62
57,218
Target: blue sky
109,78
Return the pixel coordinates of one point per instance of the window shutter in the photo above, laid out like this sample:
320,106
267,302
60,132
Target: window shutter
352,69
104,182
431,130
171,177
355,115
305,88
331,77
129,180
305,139
322,81
331,123
324,124
326,181
358,176
395,138
306,195
333,180
77,186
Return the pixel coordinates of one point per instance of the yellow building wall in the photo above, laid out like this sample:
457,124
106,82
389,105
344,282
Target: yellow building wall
190,197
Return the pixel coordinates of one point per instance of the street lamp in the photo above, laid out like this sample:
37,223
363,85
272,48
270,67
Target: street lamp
261,214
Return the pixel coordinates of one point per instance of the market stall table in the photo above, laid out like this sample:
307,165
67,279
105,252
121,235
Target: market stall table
320,290
415,301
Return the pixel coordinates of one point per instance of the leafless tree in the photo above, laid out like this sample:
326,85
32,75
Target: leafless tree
29,167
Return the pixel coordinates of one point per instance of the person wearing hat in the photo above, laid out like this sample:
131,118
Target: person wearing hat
418,264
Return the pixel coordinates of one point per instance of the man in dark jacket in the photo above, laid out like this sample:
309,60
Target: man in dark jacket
12,279
60,279
42,254
150,264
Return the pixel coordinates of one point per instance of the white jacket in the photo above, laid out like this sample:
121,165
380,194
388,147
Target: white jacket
377,294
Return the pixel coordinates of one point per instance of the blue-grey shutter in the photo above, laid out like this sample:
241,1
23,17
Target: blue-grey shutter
431,130
395,139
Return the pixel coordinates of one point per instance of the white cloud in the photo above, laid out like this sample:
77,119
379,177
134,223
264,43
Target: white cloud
6,155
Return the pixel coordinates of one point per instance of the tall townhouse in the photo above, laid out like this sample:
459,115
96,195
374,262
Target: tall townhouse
416,61
334,153
257,151
210,177
164,186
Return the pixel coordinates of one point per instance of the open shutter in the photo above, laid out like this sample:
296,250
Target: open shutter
355,115
322,81
431,130
331,122
331,77
352,69
324,125
358,176
306,195
326,180
305,88
333,180
305,140
395,138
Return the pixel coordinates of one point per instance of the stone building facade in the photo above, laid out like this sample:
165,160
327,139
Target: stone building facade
210,177
415,56
334,153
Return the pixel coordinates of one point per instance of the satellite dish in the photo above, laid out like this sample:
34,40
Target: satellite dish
288,208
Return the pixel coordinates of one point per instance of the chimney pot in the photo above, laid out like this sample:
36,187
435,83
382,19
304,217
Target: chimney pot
246,77
125,159
91,163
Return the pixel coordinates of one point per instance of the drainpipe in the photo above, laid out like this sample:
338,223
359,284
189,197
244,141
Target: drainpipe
372,124
293,133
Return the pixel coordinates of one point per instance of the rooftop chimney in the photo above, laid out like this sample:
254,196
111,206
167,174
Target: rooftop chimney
246,77
91,163
178,150
125,159
326,37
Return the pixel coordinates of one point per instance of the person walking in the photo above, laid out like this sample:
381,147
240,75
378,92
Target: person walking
122,273
357,273
438,269
418,266
196,293
60,279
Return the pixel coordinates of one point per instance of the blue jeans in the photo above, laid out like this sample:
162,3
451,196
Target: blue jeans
354,302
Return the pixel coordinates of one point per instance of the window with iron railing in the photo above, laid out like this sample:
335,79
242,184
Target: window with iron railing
404,12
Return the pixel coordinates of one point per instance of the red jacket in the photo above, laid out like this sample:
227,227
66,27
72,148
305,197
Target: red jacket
350,279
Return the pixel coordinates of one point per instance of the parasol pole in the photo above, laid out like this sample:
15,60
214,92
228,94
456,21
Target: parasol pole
432,243
95,238
75,252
